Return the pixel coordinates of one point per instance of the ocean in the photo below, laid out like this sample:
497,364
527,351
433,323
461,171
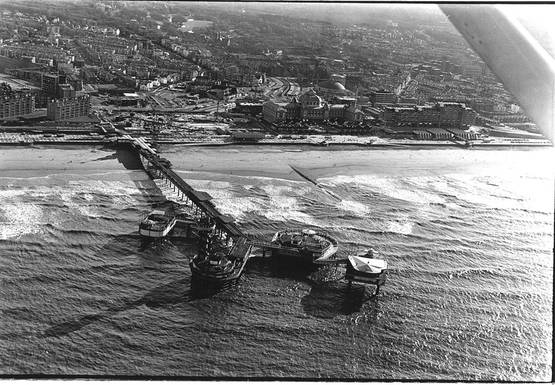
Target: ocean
467,234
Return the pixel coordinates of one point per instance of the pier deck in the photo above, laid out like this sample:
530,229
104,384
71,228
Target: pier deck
206,216
199,199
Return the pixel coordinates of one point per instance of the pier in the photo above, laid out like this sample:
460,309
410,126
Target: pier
204,210
225,249
203,216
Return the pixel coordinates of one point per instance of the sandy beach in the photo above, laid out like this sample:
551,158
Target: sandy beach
323,162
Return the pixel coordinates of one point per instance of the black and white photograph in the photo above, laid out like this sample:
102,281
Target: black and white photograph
276,191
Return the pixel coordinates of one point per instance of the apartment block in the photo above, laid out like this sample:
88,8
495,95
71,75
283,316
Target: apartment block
68,108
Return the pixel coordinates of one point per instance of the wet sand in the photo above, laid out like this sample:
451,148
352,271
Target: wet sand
276,161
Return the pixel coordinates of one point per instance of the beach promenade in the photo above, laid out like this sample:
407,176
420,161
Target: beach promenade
11,139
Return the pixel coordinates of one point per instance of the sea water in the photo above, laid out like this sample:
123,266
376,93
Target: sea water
468,236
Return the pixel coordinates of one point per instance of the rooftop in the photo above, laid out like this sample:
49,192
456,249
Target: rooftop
333,86
17,84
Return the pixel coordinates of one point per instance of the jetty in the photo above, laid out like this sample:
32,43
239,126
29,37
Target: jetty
204,209
204,217
225,249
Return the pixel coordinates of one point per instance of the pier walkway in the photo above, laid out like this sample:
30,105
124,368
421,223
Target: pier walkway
202,216
201,201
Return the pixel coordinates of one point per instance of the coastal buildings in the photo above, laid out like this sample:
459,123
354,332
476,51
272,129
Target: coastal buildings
382,97
274,111
332,88
455,115
68,108
49,83
357,71
38,53
65,91
15,104
312,107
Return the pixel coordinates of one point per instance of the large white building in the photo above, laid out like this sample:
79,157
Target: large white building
442,114
310,106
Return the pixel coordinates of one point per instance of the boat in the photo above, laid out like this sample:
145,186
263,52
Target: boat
157,224
365,268
306,245
217,263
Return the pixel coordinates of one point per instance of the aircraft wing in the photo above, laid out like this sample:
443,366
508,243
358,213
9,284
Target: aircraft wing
510,51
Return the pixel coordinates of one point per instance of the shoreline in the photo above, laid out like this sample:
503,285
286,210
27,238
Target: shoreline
26,142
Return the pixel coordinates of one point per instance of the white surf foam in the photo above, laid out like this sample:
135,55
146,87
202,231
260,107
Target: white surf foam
400,227
277,205
8,194
19,219
360,209
410,189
